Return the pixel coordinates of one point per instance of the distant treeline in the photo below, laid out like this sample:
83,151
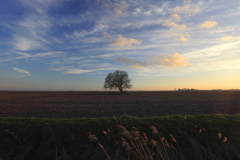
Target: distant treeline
187,89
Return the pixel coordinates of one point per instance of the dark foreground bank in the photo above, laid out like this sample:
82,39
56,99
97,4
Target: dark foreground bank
167,137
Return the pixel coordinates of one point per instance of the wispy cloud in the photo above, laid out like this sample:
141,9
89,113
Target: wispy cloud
107,35
118,10
47,54
24,55
122,42
149,10
43,54
87,67
230,48
30,32
97,29
188,10
35,24
41,5
22,43
21,71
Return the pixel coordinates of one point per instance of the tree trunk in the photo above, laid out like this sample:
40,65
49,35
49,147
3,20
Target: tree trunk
120,90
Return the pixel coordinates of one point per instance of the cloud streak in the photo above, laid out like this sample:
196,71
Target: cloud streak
21,71
130,62
175,60
76,71
43,54
122,42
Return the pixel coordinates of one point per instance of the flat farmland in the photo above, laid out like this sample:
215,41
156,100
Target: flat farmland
101,104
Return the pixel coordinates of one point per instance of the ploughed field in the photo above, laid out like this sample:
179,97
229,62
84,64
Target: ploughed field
102,104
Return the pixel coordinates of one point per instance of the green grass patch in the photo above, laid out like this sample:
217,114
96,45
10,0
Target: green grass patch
33,136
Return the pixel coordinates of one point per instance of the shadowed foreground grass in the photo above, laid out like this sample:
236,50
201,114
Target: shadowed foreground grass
167,137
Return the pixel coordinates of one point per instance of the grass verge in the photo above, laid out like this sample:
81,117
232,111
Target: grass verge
197,136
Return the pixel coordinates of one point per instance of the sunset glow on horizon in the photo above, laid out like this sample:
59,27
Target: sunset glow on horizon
162,45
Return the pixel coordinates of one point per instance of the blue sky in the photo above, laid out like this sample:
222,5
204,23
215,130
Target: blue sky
74,44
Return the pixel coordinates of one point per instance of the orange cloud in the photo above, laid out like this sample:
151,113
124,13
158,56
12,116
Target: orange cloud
227,38
119,8
176,16
137,66
178,35
122,41
118,12
183,39
208,24
175,60
170,23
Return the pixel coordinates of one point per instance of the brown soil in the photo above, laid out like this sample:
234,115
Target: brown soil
101,104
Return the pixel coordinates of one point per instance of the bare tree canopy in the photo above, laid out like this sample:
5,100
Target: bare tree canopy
118,80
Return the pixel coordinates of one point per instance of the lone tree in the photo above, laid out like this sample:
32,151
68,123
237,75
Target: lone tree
118,80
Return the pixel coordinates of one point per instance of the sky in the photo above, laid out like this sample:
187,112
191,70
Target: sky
161,44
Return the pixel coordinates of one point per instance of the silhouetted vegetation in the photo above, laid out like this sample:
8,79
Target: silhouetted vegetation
168,137
117,80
